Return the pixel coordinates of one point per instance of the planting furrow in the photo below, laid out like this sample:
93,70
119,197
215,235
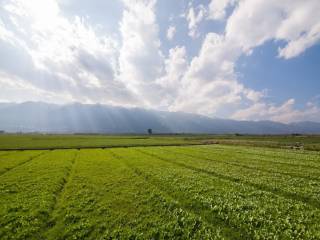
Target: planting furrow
227,231
295,188
262,187
307,158
28,194
235,203
58,194
18,160
104,199
230,156
252,165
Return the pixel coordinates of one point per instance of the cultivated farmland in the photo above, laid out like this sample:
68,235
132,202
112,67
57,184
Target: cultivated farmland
160,192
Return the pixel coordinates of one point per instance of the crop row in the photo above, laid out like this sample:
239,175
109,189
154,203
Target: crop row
270,154
105,199
199,192
274,163
295,188
13,159
256,213
28,193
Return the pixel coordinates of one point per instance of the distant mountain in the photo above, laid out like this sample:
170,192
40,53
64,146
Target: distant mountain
83,118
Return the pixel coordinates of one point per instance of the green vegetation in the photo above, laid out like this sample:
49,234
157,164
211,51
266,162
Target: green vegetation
47,141
43,141
294,141
164,192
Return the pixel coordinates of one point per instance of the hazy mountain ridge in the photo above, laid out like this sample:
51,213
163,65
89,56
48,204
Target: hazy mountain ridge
73,118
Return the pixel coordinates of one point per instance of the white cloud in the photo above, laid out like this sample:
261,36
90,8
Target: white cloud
211,84
175,67
217,8
66,57
5,34
65,53
194,17
254,96
11,85
296,22
285,113
210,81
141,61
299,45
171,32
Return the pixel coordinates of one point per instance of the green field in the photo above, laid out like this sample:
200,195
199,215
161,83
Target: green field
53,141
47,141
162,192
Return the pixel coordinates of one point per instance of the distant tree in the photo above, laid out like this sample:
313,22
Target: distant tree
149,131
296,134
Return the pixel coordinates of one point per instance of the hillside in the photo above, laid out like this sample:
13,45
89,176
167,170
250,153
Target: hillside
74,118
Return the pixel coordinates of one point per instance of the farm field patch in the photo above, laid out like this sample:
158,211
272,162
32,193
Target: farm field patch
163,192
68,141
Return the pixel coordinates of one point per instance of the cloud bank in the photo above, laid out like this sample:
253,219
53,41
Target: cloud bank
51,55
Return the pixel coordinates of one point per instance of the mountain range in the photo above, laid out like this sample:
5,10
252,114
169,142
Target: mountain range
96,118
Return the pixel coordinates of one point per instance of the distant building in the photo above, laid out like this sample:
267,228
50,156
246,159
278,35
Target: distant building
149,131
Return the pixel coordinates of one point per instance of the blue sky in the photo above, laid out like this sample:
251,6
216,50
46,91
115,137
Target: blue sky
239,59
297,77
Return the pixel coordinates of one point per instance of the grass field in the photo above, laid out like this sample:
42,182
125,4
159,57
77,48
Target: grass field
52,141
39,141
162,192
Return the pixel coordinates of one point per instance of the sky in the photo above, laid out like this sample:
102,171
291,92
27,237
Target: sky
238,59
